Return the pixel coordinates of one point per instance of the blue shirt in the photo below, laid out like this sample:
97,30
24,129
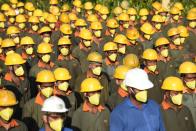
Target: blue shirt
64,129
127,117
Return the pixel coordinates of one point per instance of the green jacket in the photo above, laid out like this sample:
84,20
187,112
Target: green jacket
21,127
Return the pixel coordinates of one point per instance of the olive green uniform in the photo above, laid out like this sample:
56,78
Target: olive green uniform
21,127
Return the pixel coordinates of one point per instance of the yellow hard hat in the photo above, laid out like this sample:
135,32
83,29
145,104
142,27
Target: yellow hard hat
150,54
179,5
73,16
173,84
104,10
7,43
5,7
94,57
121,39
53,2
14,59
85,34
27,40
65,8
44,29
66,29
156,5
123,17
157,18
88,5
14,1
90,85
45,15
20,4
62,74
11,12
143,12
92,18
132,34
38,12
29,6
77,3
147,28
192,9
64,41
96,25
98,7
173,31
187,67
2,17
112,23
183,31
124,4
132,11
131,61
64,18
174,11
109,46
12,30
120,72
191,15
33,19
44,48
54,10
161,41
45,76
51,18
20,19
7,98
117,10
80,22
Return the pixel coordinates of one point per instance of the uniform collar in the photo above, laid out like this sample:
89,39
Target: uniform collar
8,77
131,105
39,100
108,62
12,123
167,105
25,56
122,92
61,58
87,108
188,91
174,47
42,64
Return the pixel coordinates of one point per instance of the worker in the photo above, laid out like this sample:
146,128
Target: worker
144,14
123,19
8,46
132,16
13,32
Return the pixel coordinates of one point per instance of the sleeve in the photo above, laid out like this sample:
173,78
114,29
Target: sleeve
161,123
116,121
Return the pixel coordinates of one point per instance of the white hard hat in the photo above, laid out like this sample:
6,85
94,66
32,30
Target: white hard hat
54,104
138,79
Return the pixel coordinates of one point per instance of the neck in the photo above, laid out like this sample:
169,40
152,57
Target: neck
47,127
136,103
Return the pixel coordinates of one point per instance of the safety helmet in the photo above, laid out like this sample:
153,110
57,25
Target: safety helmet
73,16
112,23
132,34
44,29
12,30
173,31
51,18
104,10
44,48
64,18
147,28
66,29
7,43
97,7
53,2
150,54
183,31
77,3
92,18
157,18
54,10
131,11
29,6
123,17
2,17
64,41
90,85
20,4
156,5
109,46
88,5
143,12
131,61
80,22
117,10
33,19
38,12
14,59
161,41
96,25
120,72
191,15
187,67
65,8
174,11
173,84
62,74
179,5
27,40
5,7
20,19
85,34
7,98
94,57
45,76
11,12
121,39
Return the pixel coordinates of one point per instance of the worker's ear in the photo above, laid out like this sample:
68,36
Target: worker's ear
44,118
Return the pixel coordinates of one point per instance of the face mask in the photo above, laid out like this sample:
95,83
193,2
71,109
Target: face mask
122,50
78,9
9,52
113,57
52,25
46,39
112,31
17,40
47,92
165,53
21,11
104,17
63,86
29,50
177,41
133,41
87,43
42,19
123,86
2,25
192,24
56,125
144,18
148,37
21,25
73,25
46,58
182,40
132,18
94,99
6,113
19,71
89,12
35,27
177,99
11,20
141,96
164,18
30,13
64,51
152,68
126,25
14,6
176,17
97,71
97,33
158,26
191,84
